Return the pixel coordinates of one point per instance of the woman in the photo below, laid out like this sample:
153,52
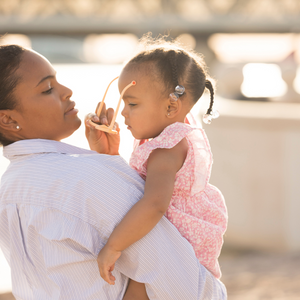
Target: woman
55,117
58,207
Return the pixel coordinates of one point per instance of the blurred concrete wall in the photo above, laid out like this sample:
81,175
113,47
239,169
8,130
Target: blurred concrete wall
256,149
158,16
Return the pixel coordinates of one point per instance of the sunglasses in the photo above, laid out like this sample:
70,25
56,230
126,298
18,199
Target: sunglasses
110,128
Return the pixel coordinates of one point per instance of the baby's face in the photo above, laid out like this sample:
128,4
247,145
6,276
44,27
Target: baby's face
145,108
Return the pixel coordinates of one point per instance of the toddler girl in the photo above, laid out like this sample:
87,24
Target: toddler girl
173,157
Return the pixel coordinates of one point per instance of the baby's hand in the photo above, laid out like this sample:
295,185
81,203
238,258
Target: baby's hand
106,263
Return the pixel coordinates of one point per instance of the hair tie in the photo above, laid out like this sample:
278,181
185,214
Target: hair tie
179,91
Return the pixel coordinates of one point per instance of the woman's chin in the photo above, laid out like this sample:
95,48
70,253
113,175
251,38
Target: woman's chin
71,129
77,124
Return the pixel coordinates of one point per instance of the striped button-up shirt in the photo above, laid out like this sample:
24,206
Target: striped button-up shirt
58,206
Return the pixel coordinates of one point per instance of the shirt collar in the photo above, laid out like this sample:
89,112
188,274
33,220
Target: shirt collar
35,146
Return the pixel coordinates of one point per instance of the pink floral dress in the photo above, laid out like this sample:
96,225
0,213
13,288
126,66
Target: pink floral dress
197,208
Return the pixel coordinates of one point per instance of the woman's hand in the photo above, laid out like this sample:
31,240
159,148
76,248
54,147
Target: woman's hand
106,263
100,141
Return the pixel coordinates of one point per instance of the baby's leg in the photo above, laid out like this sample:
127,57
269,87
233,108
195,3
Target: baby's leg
135,291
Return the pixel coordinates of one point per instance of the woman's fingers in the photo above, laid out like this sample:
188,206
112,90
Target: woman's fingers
91,117
110,114
101,141
90,125
103,114
105,117
116,127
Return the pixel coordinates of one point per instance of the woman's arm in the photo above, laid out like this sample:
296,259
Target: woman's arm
162,166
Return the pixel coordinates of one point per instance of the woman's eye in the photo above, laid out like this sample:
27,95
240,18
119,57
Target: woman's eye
132,104
48,91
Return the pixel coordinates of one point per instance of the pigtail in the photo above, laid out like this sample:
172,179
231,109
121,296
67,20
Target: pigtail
210,114
209,86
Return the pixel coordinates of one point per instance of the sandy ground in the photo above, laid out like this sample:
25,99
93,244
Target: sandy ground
261,276
255,276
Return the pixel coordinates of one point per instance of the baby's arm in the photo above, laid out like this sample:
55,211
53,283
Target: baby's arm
162,166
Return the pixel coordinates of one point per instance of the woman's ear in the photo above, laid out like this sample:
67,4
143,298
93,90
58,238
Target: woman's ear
174,107
7,123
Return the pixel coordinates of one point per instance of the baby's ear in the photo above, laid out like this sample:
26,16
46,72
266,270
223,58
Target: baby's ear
174,106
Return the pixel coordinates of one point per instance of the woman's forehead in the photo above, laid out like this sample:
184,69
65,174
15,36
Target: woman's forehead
34,67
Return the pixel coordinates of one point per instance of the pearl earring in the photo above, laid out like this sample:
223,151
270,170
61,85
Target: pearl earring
18,127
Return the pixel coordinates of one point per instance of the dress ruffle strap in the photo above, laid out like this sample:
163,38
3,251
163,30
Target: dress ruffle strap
203,160
177,131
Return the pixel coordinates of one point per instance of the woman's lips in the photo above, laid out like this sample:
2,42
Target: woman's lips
71,109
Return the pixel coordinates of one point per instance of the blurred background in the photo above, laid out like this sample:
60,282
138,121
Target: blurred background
252,49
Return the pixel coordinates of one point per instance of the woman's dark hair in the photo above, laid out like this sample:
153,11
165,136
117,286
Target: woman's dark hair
174,66
10,59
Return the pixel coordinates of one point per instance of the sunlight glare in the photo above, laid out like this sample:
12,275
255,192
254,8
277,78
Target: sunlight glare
235,48
297,81
262,80
187,40
109,48
16,39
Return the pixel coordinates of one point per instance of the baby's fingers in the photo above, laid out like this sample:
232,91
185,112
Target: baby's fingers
107,275
112,278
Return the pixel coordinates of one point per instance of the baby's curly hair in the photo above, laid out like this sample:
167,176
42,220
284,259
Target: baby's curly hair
174,65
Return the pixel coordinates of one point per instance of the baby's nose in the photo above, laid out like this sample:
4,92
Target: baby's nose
123,112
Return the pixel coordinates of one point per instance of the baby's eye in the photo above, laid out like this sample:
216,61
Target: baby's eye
132,104
48,91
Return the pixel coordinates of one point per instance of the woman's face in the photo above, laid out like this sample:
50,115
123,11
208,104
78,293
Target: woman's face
44,108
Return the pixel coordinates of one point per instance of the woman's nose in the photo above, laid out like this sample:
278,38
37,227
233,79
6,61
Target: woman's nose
67,93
